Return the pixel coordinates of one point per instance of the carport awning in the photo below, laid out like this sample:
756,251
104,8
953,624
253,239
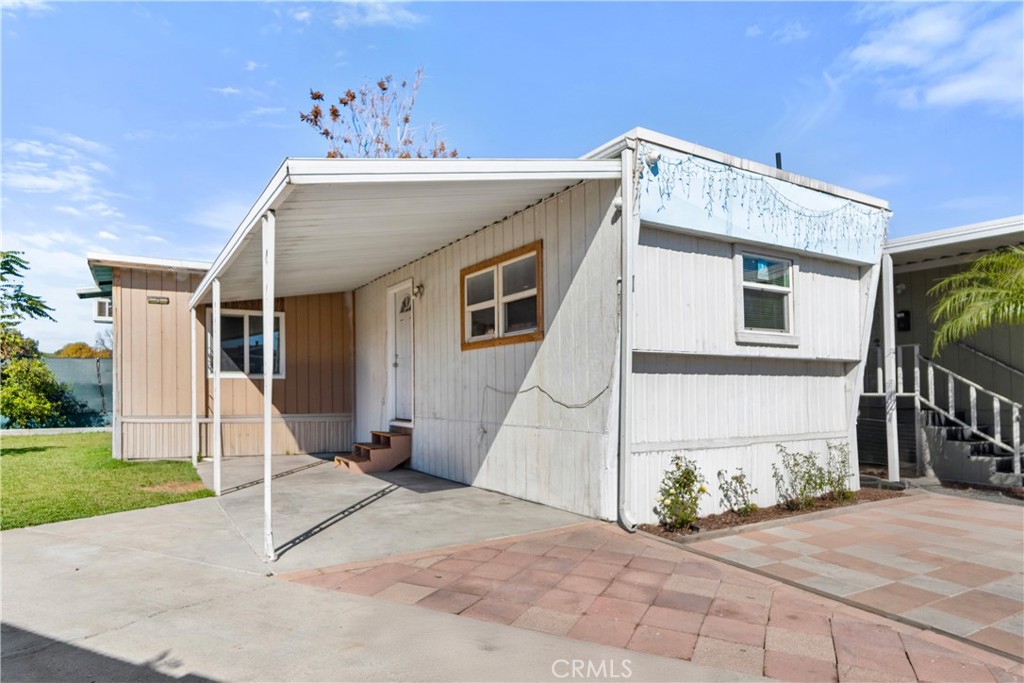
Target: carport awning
341,223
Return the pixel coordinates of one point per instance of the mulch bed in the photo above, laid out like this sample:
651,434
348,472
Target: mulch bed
725,520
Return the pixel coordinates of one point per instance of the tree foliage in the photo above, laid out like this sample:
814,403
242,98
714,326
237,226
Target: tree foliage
15,303
990,292
16,345
81,350
375,121
31,397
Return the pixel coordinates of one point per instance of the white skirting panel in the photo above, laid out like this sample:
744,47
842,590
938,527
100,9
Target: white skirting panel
647,469
168,438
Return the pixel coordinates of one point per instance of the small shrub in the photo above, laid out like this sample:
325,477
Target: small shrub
837,472
800,481
737,492
679,497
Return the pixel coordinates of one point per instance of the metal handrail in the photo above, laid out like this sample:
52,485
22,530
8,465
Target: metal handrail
998,401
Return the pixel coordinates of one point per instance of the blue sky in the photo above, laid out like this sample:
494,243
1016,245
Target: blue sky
149,128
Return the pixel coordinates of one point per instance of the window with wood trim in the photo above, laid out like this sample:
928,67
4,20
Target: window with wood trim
242,344
502,299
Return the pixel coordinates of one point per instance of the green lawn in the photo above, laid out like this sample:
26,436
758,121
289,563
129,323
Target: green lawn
52,478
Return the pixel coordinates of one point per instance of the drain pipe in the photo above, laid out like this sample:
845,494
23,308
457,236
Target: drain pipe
628,231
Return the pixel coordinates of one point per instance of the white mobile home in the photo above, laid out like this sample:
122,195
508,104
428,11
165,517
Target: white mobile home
554,329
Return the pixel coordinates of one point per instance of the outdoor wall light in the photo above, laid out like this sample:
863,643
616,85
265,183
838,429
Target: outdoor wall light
417,291
159,300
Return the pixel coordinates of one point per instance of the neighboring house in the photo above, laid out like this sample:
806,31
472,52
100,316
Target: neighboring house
987,368
553,329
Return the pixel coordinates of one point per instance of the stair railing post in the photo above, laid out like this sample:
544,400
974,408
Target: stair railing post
879,370
973,393
931,384
951,391
1016,440
997,417
899,369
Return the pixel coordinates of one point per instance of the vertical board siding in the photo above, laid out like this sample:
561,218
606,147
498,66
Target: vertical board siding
528,419
697,276
698,393
153,365
168,440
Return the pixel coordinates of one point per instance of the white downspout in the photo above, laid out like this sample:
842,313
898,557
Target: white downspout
628,232
269,258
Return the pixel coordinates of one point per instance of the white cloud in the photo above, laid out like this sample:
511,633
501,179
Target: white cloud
104,210
12,8
947,55
134,135
227,90
753,31
107,235
790,33
84,144
70,210
252,66
263,111
154,238
301,15
376,13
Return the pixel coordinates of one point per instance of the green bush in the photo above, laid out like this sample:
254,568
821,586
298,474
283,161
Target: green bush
679,497
31,397
802,480
736,492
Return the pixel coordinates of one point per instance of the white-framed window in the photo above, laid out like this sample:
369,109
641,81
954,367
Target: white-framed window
502,300
103,311
242,343
765,298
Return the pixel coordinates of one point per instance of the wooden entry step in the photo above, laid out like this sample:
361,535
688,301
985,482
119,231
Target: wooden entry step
385,452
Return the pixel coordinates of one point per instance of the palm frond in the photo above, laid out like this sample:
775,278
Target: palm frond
990,292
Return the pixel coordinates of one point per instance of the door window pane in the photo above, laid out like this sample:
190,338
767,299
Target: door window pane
519,276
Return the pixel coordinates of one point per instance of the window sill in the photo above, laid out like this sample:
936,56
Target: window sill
767,338
504,341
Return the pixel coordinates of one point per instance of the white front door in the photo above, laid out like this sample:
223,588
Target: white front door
401,353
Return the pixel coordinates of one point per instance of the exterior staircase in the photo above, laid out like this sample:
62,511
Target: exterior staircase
960,454
385,452
953,443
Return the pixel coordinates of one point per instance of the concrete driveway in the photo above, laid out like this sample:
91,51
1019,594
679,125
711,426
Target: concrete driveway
179,593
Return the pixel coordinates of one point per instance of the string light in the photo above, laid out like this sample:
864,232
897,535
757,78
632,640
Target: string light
721,188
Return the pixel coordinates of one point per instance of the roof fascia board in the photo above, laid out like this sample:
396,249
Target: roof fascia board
273,194
330,171
951,236
113,260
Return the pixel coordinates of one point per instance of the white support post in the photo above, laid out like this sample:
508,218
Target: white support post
997,418
924,460
1015,431
889,345
215,434
269,257
194,423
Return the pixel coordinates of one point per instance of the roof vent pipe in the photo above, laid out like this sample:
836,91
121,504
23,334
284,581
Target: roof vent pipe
778,160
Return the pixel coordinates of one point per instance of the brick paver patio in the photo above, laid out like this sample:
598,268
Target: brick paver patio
953,564
597,583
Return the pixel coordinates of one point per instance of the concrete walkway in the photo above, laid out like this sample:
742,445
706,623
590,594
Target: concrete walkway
599,584
951,564
176,593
